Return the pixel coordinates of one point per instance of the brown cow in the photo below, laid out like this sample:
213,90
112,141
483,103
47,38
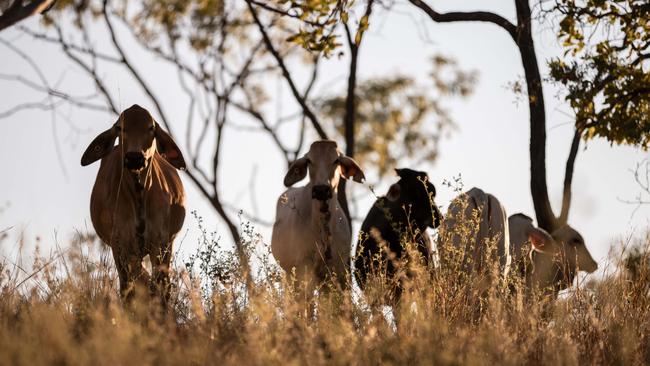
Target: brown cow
138,204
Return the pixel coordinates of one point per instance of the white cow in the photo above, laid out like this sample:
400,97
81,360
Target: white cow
311,235
475,221
546,261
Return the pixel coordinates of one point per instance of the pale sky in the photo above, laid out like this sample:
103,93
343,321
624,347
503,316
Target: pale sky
489,148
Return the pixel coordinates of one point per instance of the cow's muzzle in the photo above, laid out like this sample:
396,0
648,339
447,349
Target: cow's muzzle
134,160
321,192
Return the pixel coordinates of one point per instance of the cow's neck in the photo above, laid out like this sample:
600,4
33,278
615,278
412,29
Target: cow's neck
136,185
321,219
549,276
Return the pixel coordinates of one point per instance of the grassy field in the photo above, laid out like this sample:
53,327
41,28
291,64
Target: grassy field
66,311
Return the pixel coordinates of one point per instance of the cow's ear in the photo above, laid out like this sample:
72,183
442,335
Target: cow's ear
394,192
100,146
168,148
542,241
350,168
297,171
407,173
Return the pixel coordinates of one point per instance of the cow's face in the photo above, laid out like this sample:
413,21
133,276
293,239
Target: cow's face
326,165
137,131
140,137
417,194
573,249
559,256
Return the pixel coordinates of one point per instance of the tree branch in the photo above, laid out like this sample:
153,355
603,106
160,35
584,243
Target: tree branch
286,13
85,50
538,186
522,36
568,177
90,70
125,61
71,99
475,16
285,72
17,11
349,118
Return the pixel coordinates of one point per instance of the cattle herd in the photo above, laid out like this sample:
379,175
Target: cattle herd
138,207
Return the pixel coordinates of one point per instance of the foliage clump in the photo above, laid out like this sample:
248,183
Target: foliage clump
605,68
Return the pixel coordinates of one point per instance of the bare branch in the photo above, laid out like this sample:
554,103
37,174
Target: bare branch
641,175
171,58
475,16
91,70
568,177
29,61
310,86
67,45
286,13
249,217
132,70
26,106
285,72
74,100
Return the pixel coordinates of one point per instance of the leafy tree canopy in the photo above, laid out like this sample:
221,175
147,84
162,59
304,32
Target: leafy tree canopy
605,68
318,20
201,23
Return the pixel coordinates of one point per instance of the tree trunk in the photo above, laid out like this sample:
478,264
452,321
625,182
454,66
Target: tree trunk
538,186
348,125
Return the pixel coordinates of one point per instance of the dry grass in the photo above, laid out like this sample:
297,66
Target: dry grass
69,313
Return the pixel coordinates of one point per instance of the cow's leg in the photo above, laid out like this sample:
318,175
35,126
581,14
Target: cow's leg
309,288
338,262
122,270
130,271
341,269
303,283
335,285
139,278
160,264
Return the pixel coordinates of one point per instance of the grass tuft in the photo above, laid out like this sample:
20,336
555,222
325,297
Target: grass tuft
66,310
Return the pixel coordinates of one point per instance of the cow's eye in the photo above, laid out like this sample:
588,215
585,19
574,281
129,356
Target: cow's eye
151,129
337,162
